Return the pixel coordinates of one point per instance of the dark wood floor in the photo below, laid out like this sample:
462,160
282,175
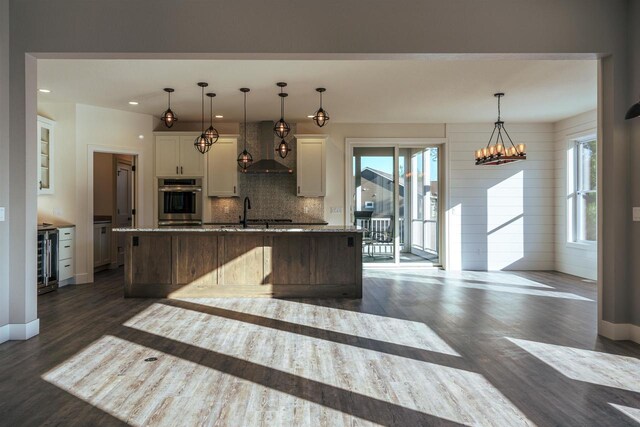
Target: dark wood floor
421,348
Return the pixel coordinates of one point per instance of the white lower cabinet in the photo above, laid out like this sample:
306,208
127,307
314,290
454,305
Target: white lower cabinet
101,244
66,249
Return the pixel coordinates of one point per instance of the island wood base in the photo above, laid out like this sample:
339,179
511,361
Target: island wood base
258,263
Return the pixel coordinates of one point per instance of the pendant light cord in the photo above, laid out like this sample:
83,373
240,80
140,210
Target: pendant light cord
281,104
245,121
499,107
202,97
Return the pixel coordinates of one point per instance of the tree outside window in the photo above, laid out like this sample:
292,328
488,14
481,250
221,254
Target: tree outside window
586,205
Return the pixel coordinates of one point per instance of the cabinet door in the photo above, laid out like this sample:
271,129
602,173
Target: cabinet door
167,156
45,156
222,168
97,246
105,243
191,160
311,167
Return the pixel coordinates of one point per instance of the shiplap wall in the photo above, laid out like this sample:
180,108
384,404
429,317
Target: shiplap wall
579,260
501,217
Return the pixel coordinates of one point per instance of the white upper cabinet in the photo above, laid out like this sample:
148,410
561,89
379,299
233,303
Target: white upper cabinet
222,167
311,165
176,156
45,155
191,160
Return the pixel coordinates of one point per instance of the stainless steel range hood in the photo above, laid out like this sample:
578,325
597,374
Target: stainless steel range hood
266,143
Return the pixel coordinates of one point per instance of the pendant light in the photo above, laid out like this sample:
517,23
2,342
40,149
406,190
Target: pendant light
498,154
202,143
282,128
321,117
633,112
283,149
245,158
169,117
211,133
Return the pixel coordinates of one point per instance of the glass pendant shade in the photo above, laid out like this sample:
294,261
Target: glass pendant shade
211,133
203,143
245,159
321,117
633,112
283,149
169,117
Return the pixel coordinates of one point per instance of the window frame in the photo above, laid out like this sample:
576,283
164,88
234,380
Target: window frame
574,191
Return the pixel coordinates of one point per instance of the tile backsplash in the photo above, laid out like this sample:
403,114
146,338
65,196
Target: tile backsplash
272,196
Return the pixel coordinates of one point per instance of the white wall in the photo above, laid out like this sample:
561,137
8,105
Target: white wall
103,129
428,27
501,217
80,128
61,205
571,258
338,132
4,168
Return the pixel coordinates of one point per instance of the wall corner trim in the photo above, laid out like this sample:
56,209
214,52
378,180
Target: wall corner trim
19,331
619,331
4,333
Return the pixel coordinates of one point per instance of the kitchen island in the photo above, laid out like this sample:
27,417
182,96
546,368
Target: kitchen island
215,261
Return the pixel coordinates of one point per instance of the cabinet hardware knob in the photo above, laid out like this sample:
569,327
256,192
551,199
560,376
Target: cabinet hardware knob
234,189
177,172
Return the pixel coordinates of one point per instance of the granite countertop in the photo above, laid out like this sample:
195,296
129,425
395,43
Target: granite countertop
250,229
276,223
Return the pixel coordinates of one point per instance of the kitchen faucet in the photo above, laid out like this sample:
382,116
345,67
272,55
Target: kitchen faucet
247,205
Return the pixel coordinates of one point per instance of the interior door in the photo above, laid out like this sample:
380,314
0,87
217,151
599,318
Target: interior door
124,208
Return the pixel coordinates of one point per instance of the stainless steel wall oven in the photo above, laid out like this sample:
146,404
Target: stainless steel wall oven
179,201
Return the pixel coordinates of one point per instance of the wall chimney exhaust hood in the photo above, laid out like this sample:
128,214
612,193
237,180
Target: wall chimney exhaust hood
266,142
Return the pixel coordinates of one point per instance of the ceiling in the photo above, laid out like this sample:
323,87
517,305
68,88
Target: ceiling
358,91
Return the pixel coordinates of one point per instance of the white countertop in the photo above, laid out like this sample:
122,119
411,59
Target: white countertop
250,229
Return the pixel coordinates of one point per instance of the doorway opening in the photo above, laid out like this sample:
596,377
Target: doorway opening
114,200
394,195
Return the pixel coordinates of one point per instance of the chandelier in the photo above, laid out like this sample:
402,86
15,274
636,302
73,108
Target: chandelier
500,153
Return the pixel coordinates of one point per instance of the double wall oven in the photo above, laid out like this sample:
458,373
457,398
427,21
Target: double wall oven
179,202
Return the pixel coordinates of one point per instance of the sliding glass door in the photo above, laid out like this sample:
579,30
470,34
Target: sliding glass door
395,198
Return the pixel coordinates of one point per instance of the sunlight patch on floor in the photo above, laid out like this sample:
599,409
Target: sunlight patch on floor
593,367
370,326
441,391
453,283
633,413
112,375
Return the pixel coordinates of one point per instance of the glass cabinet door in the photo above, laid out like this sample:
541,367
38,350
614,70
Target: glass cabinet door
45,156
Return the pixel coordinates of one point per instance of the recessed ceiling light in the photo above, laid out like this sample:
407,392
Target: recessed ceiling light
219,116
133,102
44,90
140,136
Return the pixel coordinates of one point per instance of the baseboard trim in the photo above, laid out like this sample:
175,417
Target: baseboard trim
82,278
19,331
619,331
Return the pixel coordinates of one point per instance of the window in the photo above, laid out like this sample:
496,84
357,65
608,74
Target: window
585,204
